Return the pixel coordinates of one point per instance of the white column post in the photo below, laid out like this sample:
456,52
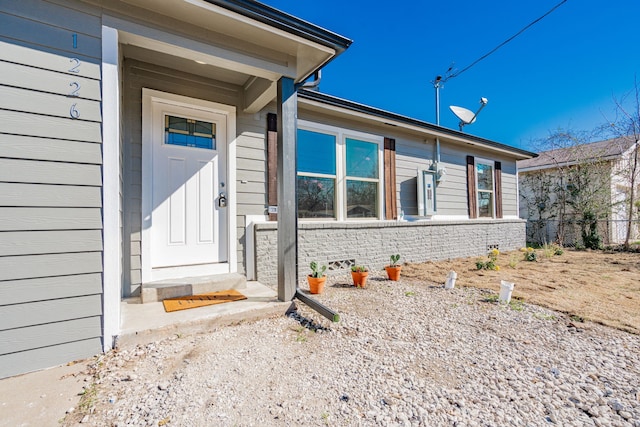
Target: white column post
112,251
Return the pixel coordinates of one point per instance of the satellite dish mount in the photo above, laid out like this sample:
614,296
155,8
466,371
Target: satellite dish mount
467,116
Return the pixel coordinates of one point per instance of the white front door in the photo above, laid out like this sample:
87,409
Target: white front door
186,214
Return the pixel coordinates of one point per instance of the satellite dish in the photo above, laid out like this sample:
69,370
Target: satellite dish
467,116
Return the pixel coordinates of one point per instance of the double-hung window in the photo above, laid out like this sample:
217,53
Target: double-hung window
339,173
485,188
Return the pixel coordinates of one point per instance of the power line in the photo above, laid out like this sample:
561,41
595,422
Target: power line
456,74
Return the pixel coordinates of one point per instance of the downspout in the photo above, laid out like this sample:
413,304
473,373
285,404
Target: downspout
437,84
313,84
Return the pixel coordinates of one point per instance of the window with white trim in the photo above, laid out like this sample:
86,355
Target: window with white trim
339,173
485,188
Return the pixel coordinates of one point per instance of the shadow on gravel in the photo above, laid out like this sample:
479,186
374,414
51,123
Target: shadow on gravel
305,322
342,285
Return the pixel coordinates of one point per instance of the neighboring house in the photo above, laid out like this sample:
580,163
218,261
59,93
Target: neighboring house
556,184
146,140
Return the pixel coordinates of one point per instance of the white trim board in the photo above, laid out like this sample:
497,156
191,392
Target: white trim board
112,244
148,97
250,244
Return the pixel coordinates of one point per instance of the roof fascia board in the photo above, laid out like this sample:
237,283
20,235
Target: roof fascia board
564,164
286,22
386,117
629,150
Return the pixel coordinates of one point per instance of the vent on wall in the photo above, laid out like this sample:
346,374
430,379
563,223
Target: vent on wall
496,246
344,264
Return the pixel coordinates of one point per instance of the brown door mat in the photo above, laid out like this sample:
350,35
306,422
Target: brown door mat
201,300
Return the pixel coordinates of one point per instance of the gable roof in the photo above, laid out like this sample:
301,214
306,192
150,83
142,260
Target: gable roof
394,119
601,150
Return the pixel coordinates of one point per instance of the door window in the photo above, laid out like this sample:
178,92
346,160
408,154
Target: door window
189,132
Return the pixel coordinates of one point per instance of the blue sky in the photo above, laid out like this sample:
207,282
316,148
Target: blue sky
563,72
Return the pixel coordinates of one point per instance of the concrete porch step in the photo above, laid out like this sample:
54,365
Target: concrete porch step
162,289
146,323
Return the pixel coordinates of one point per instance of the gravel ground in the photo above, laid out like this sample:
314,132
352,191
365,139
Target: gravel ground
404,354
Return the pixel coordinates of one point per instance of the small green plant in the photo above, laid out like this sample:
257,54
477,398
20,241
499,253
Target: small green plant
551,250
590,236
89,398
530,254
409,294
359,269
544,316
325,418
491,298
516,305
394,260
491,264
317,272
301,332
576,318
513,261
548,250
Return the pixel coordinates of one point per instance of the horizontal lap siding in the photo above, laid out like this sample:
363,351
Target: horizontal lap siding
451,194
50,184
411,155
509,188
251,157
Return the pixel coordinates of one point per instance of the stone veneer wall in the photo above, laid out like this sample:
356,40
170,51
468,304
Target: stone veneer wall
372,243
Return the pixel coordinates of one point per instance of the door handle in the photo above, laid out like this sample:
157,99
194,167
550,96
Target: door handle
222,200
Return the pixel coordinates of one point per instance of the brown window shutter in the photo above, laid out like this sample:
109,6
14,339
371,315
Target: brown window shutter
472,196
498,192
390,202
272,163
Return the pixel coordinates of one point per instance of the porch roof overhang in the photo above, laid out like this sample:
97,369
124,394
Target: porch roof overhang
256,43
333,105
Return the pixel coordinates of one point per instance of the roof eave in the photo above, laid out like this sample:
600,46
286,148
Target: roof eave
286,22
569,163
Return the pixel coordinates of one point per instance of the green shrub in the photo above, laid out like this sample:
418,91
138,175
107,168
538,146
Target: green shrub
491,264
529,254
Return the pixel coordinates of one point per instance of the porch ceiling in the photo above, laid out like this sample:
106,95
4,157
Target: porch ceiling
234,48
192,67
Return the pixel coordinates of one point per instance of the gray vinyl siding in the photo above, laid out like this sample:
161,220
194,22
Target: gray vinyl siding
509,188
139,75
251,174
452,193
411,155
50,184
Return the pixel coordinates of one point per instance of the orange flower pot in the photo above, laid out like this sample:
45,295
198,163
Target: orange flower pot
359,278
393,272
316,284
